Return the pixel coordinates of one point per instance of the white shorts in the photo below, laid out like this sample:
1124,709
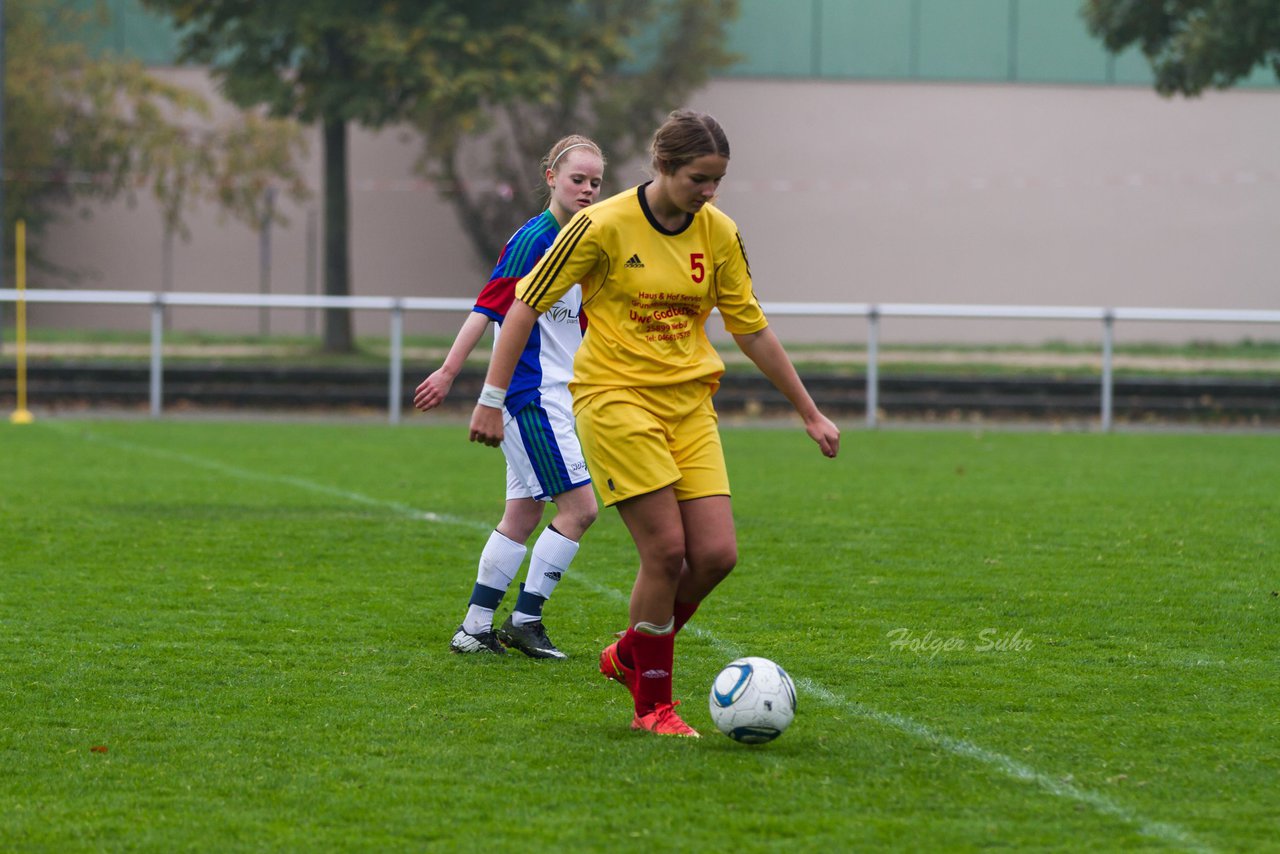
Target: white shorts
544,458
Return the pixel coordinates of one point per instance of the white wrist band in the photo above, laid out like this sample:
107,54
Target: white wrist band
492,396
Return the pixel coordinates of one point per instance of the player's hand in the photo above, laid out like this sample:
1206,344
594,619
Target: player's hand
823,430
486,425
432,391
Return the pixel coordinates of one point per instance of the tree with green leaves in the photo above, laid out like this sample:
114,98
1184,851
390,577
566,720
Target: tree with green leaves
81,128
334,63
450,67
617,68
1192,44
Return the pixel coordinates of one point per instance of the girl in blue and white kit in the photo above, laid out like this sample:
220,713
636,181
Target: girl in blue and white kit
544,458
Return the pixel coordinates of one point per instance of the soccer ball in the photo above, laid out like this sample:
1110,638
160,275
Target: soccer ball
753,700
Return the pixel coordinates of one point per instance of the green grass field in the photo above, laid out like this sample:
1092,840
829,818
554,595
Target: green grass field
229,636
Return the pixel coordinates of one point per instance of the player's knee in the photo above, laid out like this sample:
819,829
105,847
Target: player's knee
722,561
665,557
708,568
519,522
574,516
587,515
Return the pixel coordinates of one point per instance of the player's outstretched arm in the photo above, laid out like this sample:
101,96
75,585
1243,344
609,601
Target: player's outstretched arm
432,391
765,350
486,419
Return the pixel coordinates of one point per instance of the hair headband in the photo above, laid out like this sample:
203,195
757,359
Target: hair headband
568,148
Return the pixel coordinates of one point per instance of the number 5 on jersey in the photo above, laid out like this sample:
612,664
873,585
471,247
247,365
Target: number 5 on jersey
699,269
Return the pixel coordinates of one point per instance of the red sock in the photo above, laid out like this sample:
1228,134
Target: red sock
624,650
655,658
683,611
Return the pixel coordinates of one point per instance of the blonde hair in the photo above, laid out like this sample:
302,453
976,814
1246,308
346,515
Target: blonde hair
562,147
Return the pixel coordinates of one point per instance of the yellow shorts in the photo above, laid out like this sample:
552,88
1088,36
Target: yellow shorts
638,440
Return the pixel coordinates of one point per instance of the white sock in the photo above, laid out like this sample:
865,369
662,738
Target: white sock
552,554
499,562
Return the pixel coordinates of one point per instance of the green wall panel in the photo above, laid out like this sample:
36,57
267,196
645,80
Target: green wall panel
1053,46
1131,69
131,31
1020,41
775,37
865,38
1263,77
964,40
146,36
1027,41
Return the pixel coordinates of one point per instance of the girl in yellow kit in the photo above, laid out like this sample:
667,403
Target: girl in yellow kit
653,261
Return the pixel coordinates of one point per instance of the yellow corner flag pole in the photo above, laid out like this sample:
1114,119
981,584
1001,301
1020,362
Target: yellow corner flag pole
21,415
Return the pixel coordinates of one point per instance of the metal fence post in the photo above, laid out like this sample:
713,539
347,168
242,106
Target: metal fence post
264,258
157,365
1108,333
311,277
873,364
397,362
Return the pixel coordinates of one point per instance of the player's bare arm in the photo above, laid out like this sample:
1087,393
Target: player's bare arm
765,350
486,420
432,391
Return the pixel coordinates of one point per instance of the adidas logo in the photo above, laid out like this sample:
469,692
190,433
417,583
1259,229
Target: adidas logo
634,263
656,673
553,575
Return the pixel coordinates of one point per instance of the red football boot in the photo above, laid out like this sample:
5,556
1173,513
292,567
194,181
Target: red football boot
663,720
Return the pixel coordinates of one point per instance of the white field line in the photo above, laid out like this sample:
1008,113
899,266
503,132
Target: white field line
249,474
1009,767
1012,768
1005,765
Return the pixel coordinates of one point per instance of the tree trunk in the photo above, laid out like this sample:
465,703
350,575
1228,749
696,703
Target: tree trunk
337,251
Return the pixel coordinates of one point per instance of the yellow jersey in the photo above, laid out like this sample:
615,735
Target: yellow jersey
647,292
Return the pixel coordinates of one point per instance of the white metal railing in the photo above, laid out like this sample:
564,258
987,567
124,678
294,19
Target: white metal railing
873,312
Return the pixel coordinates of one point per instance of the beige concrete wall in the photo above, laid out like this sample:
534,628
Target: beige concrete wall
865,192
